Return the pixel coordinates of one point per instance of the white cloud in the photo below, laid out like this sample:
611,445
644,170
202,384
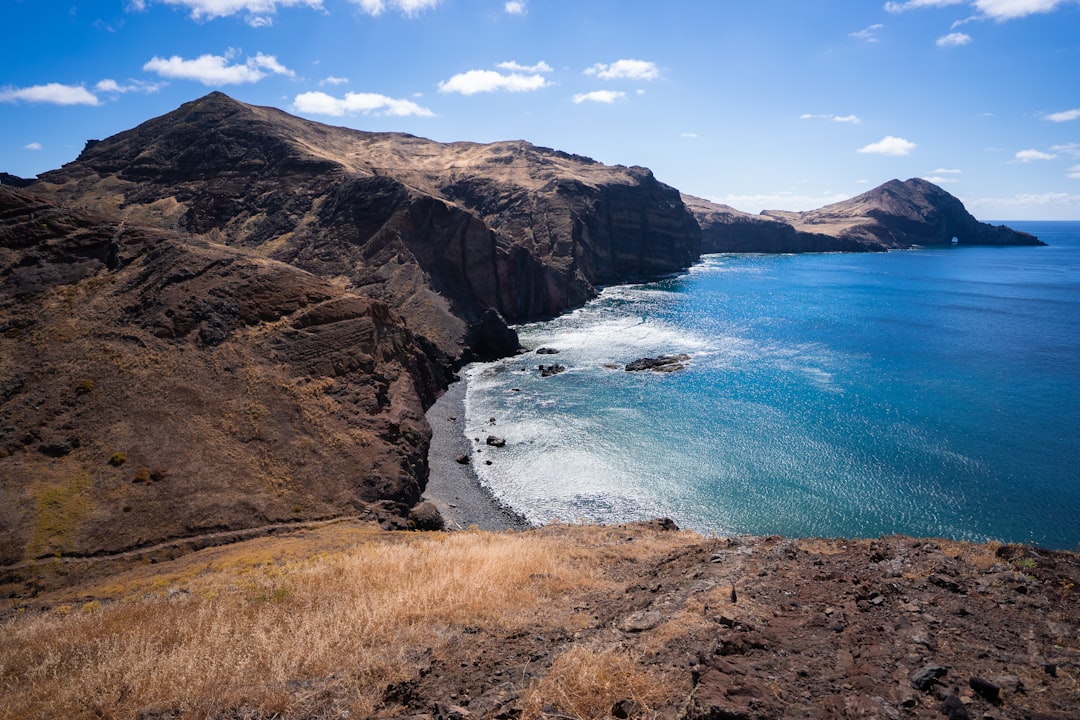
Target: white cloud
216,70
478,81
889,145
515,7
1064,115
408,8
258,11
333,80
1026,156
1011,9
940,180
108,85
869,34
999,10
625,70
319,103
689,135
852,119
1074,171
53,93
600,96
953,40
1070,149
947,171
33,146
518,67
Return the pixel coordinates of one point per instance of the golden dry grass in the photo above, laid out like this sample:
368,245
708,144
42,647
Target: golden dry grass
357,618
585,683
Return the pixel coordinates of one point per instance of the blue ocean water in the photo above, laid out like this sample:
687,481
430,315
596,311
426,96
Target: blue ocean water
932,392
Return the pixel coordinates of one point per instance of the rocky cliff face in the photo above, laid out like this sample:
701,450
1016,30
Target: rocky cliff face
894,215
155,386
245,316
443,232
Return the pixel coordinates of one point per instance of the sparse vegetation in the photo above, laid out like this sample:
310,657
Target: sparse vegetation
118,459
59,507
234,637
85,387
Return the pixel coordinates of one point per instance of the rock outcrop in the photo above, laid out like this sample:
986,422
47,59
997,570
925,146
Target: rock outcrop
895,215
155,386
444,233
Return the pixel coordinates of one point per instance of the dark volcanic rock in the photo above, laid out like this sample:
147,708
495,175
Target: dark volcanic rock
442,232
902,215
664,363
261,392
894,215
725,229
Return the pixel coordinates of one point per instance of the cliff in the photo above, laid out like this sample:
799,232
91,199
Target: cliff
229,318
155,386
445,233
895,215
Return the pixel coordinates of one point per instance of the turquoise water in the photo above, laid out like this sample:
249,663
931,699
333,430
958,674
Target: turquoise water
927,392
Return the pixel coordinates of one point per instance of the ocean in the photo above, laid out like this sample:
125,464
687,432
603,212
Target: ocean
929,392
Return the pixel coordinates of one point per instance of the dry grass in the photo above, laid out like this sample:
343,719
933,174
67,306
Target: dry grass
352,620
585,683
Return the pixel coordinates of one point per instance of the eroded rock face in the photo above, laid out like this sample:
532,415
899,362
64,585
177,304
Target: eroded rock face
441,232
894,215
155,386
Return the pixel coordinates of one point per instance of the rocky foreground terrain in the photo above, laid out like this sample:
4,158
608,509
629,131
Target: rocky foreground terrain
642,621
228,318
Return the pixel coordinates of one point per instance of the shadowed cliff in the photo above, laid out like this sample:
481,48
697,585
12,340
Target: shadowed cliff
445,233
155,386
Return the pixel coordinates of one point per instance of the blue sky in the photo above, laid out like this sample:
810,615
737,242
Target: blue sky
781,104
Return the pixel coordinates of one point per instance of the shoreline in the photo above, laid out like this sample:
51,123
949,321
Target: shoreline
453,487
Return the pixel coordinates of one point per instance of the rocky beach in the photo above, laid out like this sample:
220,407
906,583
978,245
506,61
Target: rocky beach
453,486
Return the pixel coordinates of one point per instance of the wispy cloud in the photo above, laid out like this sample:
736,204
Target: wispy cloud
946,171
51,93
515,7
889,145
625,70
215,70
869,34
600,96
1064,115
689,135
333,80
408,8
1074,172
999,10
478,81
852,119
257,12
899,7
319,103
1069,149
540,67
33,146
108,85
955,39
1026,156
940,179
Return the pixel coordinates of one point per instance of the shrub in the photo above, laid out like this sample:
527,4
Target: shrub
118,459
85,387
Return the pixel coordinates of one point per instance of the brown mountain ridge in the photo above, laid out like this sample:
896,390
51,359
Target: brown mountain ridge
229,317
